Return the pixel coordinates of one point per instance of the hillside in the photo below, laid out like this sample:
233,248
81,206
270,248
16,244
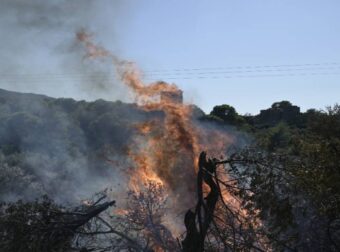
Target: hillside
59,146
288,175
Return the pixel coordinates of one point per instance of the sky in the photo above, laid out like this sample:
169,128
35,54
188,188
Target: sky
248,54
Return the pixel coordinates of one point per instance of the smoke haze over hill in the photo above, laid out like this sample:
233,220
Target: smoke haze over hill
39,53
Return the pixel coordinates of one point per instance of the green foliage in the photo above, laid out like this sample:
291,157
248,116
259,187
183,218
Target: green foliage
281,105
293,186
227,114
295,181
319,151
275,138
290,179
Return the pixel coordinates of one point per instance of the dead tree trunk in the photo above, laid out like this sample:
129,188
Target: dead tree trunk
197,223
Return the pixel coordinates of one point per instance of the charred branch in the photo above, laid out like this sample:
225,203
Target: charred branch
204,211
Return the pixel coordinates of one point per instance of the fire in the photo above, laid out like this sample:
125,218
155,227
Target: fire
166,150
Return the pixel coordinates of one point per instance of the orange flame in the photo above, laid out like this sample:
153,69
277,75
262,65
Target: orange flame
166,150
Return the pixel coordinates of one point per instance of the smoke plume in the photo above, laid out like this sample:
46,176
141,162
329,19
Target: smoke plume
38,51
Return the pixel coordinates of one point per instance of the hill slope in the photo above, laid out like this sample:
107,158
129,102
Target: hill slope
60,146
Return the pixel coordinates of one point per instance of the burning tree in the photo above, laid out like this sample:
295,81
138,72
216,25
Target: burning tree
221,220
205,208
144,215
166,152
216,224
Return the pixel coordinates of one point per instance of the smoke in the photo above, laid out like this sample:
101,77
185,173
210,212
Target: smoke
166,149
59,152
45,150
39,54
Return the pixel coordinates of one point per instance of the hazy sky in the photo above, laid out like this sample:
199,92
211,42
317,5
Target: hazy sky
245,53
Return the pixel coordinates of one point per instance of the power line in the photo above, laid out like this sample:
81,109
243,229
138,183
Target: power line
186,73
245,67
64,79
252,76
287,67
245,71
110,75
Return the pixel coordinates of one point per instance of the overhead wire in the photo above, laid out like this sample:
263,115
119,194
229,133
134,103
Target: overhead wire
185,74
245,67
204,69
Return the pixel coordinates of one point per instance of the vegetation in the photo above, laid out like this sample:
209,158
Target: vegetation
293,177
286,179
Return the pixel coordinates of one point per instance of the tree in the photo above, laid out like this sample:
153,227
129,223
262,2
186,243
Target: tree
217,224
43,225
275,138
143,218
296,196
227,113
281,105
204,210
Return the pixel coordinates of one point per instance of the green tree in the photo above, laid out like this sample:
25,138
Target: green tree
281,105
275,138
228,114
